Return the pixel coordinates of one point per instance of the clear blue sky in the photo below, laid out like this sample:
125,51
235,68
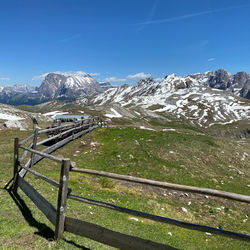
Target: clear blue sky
118,38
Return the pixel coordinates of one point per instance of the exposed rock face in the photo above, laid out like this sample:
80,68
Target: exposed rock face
240,79
52,85
245,91
69,87
239,83
221,80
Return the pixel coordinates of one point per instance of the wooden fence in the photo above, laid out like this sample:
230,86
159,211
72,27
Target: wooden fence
57,216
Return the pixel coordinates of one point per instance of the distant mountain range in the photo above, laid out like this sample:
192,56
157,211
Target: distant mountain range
54,87
205,99
74,87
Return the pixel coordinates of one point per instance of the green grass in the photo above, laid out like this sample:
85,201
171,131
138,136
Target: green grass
199,160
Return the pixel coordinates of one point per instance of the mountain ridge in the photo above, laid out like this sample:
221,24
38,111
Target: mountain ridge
186,97
75,86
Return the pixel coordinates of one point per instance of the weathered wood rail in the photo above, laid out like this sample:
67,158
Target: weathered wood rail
57,216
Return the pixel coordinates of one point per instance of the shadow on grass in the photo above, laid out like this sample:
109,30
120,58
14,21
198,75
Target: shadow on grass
43,230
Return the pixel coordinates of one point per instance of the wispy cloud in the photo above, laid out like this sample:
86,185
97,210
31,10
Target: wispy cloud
94,74
183,17
70,38
39,76
211,59
138,75
4,78
158,79
114,79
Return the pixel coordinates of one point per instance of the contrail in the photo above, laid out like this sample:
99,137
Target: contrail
178,18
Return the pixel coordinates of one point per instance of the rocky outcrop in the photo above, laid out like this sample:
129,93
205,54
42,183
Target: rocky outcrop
221,79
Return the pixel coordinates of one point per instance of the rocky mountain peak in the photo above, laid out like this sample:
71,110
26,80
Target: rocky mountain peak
240,79
69,86
146,81
221,79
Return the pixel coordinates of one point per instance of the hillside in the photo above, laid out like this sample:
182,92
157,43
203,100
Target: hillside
12,117
181,97
179,153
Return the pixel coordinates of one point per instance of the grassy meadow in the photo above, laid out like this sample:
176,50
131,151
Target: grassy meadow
185,156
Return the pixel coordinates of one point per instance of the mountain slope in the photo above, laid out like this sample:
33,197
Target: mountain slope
184,97
69,86
11,117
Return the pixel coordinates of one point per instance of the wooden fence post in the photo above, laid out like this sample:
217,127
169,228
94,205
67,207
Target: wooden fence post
33,147
16,164
62,198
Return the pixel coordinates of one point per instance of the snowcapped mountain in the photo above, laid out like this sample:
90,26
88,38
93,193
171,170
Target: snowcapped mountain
189,97
69,86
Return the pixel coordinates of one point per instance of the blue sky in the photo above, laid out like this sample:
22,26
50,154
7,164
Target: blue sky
120,40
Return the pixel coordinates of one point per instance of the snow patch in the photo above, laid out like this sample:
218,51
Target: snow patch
53,114
142,127
115,115
10,117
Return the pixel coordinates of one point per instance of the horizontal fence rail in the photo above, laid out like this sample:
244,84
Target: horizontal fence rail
44,155
162,219
25,152
45,178
54,147
207,191
61,134
27,139
44,131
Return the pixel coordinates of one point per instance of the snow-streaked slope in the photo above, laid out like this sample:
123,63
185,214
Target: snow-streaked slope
184,97
15,118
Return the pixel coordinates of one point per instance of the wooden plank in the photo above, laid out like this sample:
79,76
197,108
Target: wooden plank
33,147
25,153
109,237
16,164
44,131
84,132
44,155
26,139
60,134
43,177
54,148
207,191
46,207
62,198
163,219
